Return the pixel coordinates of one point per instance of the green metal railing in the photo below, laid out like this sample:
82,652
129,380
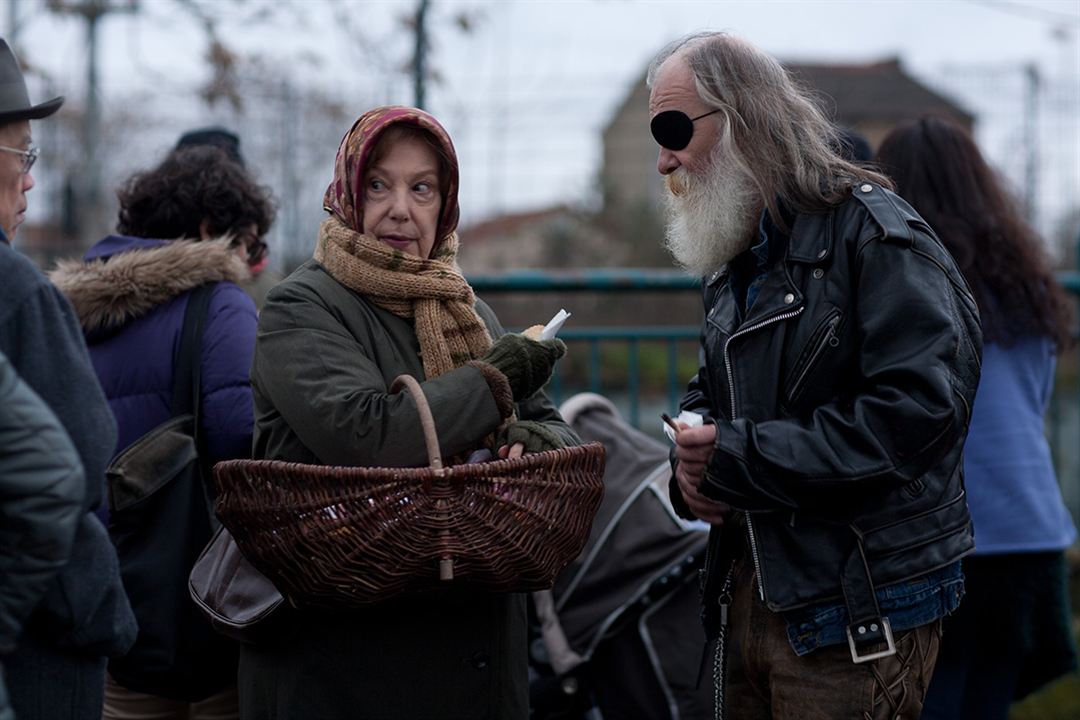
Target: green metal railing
1063,417
608,281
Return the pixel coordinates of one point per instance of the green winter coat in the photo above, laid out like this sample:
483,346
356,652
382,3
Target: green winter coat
324,360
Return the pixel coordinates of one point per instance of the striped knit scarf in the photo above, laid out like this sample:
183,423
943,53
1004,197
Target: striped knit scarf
432,292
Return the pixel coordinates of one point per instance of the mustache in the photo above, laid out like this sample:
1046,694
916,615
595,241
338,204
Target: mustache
677,182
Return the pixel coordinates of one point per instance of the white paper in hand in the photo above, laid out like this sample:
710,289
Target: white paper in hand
554,325
686,417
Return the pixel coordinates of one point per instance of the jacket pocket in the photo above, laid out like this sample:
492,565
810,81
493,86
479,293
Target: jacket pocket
929,526
86,606
826,336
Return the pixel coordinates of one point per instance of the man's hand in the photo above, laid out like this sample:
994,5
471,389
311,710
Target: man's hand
693,448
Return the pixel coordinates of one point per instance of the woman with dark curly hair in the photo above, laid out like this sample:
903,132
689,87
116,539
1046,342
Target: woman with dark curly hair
197,219
1012,633
194,194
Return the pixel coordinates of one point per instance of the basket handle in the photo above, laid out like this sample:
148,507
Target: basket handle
427,422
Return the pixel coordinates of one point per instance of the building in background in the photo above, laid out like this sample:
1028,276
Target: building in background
871,98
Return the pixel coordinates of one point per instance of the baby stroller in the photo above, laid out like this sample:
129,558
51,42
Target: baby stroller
619,636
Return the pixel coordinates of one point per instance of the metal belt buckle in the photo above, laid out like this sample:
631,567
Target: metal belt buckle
890,645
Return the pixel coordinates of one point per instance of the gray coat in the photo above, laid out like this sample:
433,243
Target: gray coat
57,669
84,606
324,359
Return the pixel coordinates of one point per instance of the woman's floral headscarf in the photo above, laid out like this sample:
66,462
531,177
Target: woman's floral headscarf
344,196
429,291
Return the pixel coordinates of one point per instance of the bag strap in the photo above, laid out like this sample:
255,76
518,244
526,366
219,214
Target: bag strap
187,384
186,376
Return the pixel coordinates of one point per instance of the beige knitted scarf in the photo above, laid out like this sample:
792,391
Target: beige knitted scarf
431,292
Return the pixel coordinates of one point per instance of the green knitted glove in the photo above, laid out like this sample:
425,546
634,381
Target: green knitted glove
535,436
527,364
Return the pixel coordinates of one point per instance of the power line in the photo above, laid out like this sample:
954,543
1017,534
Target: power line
1030,11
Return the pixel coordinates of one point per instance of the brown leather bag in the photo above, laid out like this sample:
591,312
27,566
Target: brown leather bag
237,599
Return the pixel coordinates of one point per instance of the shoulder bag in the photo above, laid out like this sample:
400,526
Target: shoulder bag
160,520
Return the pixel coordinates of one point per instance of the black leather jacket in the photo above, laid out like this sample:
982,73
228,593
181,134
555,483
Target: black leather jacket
841,402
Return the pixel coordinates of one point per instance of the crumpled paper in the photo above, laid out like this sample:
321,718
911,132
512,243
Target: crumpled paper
686,417
554,325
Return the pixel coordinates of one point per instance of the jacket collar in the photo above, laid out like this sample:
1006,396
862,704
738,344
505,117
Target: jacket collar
811,240
122,278
811,237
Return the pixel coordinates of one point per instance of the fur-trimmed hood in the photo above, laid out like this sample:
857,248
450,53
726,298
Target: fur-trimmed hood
123,278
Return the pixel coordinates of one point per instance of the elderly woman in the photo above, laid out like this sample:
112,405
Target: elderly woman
194,220
384,296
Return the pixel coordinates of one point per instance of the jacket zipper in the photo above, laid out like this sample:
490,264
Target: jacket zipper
829,340
731,395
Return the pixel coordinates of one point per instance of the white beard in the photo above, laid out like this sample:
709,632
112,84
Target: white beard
710,217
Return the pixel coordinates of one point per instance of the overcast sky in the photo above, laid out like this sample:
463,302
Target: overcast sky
527,91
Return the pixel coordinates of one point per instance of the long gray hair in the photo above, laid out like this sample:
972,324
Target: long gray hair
772,128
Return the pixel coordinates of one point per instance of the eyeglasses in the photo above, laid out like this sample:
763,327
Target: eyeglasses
674,129
253,245
29,156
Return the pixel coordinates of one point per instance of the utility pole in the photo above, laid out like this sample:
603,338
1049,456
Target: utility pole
420,53
88,191
13,25
290,182
1031,145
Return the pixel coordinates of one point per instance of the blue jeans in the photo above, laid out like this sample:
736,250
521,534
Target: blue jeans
908,604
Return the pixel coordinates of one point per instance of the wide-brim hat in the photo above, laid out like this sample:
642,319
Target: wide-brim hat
14,99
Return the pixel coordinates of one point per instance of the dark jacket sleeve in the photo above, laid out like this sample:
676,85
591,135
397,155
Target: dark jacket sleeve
917,371
695,400
43,340
41,492
85,606
228,344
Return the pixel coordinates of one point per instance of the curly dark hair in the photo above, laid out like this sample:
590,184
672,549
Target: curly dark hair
193,184
939,170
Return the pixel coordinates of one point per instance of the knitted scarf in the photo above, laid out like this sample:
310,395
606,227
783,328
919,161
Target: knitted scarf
433,293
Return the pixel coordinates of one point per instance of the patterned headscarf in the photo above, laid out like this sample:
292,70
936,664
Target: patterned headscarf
430,291
344,196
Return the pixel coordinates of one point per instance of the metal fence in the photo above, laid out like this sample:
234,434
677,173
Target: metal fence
679,342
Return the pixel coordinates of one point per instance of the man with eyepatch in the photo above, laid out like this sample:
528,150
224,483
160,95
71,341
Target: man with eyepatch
839,359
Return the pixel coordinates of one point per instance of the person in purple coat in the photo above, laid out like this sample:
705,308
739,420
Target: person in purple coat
190,221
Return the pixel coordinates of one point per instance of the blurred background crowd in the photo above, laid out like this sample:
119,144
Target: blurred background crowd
547,104
545,100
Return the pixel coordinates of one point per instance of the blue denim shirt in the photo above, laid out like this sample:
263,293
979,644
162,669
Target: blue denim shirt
909,604
749,269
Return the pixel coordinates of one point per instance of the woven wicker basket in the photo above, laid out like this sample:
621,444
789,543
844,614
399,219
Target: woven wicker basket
346,536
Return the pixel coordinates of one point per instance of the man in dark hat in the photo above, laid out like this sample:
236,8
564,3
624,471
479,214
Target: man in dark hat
258,252
57,668
16,144
214,136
